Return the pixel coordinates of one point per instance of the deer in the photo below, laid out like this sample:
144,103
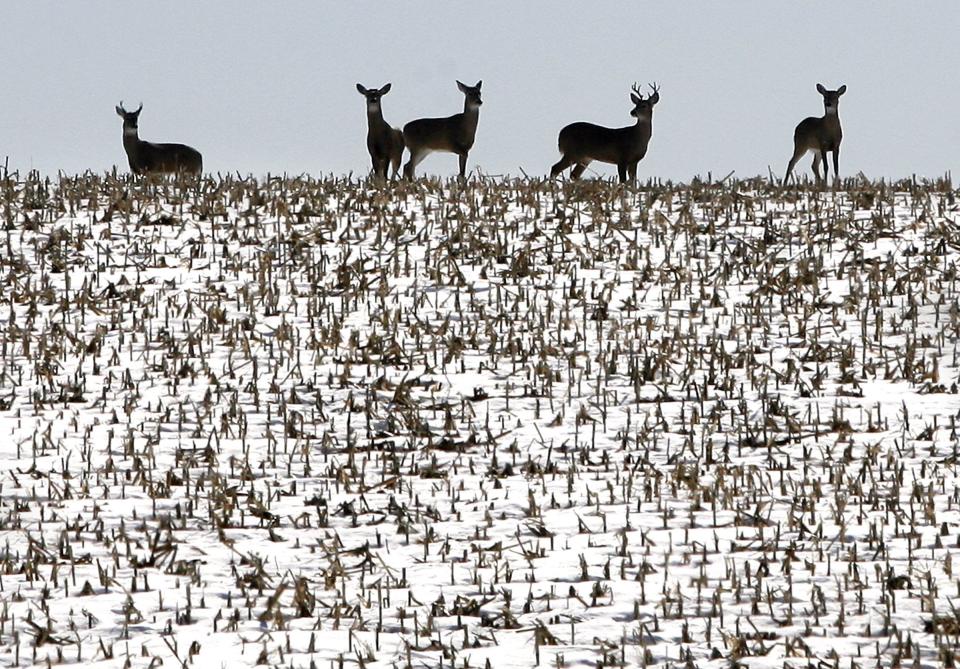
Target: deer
385,143
581,143
149,158
820,134
453,134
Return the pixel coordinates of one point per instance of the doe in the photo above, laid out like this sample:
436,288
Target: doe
582,143
150,158
820,134
384,142
453,134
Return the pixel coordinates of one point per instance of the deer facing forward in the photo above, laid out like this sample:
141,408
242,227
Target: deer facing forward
820,134
582,143
150,158
384,142
453,134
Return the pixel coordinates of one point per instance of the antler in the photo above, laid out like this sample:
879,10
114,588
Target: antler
636,89
655,87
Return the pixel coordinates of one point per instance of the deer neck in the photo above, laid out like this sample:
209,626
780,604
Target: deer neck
375,117
131,139
831,120
471,117
644,123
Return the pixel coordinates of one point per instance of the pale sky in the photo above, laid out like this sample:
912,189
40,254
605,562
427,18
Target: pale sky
270,87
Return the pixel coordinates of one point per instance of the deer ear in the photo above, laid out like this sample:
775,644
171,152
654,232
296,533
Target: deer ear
634,99
119,111
842,90
821,90
655,98
461,86
385,89
361,89
479,84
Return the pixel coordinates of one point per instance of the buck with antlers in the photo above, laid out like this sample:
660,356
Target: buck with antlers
820,134
150,158
453,134
582,143
384,142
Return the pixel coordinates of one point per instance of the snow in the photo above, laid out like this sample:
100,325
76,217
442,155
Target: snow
327,423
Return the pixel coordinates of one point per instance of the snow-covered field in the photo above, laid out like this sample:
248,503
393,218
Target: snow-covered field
321,423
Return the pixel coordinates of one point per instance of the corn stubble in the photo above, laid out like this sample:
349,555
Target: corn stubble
512,423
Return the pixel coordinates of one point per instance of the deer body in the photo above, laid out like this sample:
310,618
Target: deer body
150,158
820,134
453,134
384,142
582,143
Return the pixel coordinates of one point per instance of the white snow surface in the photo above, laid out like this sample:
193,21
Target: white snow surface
328,423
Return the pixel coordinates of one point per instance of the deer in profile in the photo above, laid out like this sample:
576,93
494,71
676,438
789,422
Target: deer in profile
384,142
581,143
149,158
453,134
820,134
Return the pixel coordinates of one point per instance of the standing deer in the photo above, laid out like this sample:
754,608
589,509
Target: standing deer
820,135
384,143
453,134
150,158
582,143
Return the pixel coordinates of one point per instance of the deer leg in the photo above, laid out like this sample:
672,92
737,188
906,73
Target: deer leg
798,152
463,165
396,151
836,164
816,164
561,165
826,168
622,172
578,170
632,172
415,158
395,161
